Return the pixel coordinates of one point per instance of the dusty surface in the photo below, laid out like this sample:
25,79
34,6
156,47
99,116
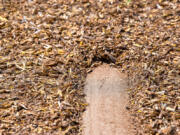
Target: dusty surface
107,98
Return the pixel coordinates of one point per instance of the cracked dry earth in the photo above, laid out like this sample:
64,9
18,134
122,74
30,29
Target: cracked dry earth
107,98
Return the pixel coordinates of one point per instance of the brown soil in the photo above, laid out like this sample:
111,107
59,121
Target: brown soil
107,98
47,47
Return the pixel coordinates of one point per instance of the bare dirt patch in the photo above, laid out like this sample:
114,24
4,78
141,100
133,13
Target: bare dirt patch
107,98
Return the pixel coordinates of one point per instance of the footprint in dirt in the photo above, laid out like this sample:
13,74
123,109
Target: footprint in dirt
106,114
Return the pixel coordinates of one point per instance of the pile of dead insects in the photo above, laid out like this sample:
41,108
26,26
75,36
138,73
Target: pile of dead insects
48,47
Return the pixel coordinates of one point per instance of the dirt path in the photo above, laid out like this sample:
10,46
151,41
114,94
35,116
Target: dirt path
106,113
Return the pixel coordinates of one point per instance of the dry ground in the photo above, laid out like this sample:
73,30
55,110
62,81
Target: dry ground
48,47
106,94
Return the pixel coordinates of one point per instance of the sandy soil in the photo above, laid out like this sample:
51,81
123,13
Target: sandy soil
107,98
